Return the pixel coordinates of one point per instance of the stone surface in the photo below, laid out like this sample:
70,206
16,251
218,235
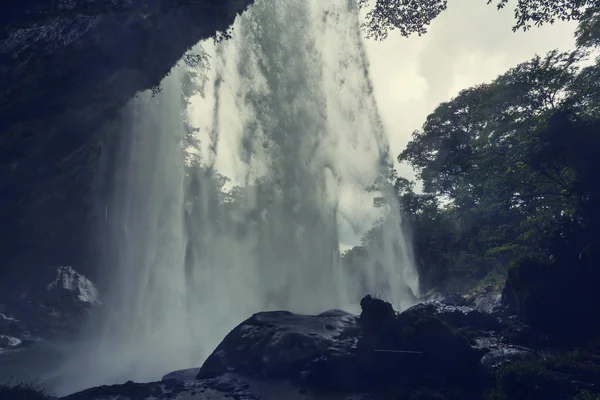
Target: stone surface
448,298
182,374
52,309
421,352
489,303
459,316
66,69
224,387
280,344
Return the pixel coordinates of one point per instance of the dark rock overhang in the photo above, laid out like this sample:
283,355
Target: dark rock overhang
66,68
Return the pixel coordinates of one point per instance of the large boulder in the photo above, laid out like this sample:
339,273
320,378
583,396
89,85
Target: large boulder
338,351
447,298
458,316
489,303
283,345
416,354
181,374
414,350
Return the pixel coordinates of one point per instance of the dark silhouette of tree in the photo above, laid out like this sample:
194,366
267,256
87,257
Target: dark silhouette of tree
508,171
414,16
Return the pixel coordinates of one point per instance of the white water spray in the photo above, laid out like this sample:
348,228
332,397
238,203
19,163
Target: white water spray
286,112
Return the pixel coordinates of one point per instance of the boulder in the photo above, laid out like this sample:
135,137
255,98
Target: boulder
338,351
495,351
458,316
414,349
375,312
282,345
489,303
50,309
418,353
182,374
447,298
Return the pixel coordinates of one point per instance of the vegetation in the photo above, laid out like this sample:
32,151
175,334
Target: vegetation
414,16
24,391
510,201
572,376
509,173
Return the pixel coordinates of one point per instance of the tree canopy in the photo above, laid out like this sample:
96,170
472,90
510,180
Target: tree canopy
509,170
414,16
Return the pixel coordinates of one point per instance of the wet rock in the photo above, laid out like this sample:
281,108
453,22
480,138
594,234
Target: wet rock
415,349
505,355
227,386
375,312
279,354
489,304
73,287
182,374
447,298
495,351
280,344
458,316
49,310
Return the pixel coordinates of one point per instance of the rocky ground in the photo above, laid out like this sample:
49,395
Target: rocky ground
42,314
443,348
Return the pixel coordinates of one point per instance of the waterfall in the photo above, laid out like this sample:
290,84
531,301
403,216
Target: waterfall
233,188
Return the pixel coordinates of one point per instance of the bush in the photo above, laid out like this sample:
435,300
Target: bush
557,377
556,299
24,391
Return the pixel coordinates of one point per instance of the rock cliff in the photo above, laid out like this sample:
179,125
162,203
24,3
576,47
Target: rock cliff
66,69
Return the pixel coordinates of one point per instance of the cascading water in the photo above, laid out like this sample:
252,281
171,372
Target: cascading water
286,112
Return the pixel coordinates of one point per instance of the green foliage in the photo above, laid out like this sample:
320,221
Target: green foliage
588,32
24,391
586,395
555,377
508,171
414,16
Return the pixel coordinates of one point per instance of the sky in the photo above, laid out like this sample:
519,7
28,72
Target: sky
469,43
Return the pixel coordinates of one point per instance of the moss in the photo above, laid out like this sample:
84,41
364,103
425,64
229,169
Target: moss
587,395
557,377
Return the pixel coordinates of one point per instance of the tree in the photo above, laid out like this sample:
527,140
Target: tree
588,31
414,16
507,170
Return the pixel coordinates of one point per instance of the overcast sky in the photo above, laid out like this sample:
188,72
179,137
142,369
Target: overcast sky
469,43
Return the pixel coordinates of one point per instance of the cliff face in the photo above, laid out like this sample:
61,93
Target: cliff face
66,68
